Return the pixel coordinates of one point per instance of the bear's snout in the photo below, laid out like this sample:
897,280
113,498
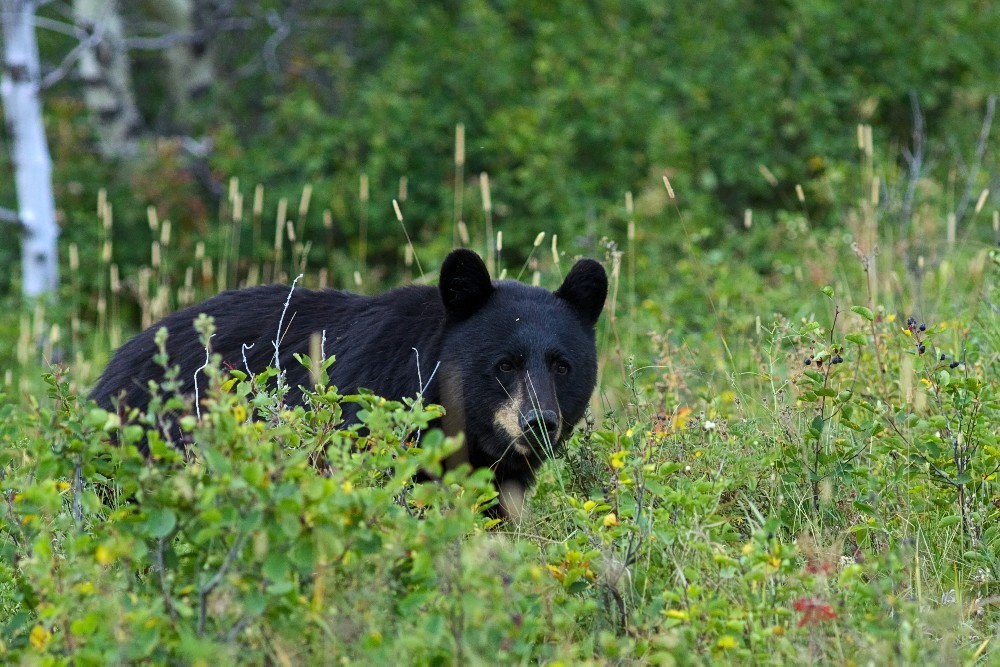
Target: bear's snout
543,425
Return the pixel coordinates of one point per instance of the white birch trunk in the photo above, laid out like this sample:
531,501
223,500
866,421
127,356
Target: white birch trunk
190,66
104,70
19,90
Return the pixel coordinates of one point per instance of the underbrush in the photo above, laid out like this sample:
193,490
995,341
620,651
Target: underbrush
836,503
791,458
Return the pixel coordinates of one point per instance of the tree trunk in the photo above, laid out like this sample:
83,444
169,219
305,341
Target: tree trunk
19,89
190,66
104,69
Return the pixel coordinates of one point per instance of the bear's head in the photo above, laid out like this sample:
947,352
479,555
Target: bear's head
519,363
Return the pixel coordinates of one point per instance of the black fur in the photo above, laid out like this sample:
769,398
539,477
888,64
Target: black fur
518,363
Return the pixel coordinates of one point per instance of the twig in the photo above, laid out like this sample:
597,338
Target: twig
164,588
208,359
281,321
10,215
172,39
977,161
216,579
270,49
914,162
88,41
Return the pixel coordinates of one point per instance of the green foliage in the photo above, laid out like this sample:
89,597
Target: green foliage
727,502
566,106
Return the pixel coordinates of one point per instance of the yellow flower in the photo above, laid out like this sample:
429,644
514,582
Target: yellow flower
679,614
103,555
618,459
347,486
727,642
62,486
240,413
747,549
40,637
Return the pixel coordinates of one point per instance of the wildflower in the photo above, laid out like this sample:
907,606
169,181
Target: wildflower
39,637
709,425
103,555
814,610
727,642
618,459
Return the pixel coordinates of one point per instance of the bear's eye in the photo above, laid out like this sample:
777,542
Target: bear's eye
506,366
560,367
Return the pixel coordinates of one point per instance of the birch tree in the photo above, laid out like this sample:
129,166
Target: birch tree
104,71
190,67
20,83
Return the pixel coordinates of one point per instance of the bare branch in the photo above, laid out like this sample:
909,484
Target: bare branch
977,161
62,27
8,215
281,32
170,39
914,161
68,62
216,579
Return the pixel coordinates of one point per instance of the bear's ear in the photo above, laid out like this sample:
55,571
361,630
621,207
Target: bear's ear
464,284
585,289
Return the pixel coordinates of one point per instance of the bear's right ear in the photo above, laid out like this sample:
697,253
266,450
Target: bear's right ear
464,284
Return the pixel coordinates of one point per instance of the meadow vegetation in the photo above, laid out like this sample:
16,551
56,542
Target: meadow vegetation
782,466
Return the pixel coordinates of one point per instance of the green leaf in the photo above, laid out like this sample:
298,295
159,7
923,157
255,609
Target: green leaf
949,521
827,290
864,507
161,523
857,339
276,566
864,312
815,377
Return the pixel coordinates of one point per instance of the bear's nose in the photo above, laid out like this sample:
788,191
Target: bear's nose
541,422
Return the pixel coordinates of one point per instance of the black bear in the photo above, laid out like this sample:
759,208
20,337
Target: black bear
518,364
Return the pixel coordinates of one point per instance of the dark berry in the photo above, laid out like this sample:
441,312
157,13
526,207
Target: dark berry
921,349
943,357
837,360
809,361
954,364
923,327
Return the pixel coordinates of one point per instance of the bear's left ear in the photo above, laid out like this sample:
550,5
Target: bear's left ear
585,289
464,283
